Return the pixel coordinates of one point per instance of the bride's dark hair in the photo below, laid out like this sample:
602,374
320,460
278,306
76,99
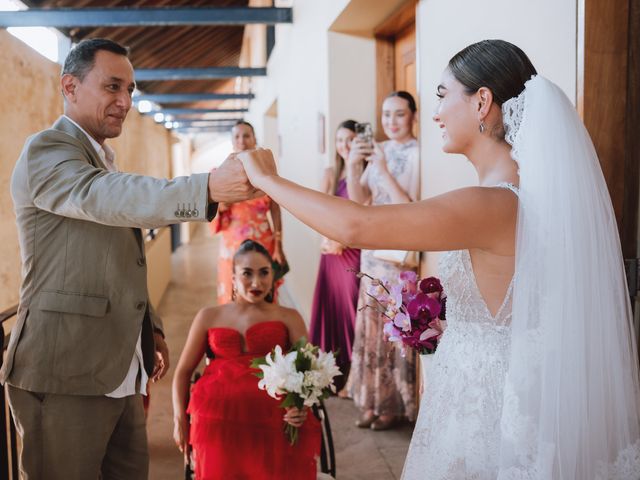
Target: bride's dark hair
497,65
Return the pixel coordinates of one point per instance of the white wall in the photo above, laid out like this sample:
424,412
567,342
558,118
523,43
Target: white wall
315,69
298,80
352,82
545,29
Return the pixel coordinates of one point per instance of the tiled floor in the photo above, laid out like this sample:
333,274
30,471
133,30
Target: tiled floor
360,454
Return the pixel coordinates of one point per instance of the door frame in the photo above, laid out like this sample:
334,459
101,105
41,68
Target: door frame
608,87
385,34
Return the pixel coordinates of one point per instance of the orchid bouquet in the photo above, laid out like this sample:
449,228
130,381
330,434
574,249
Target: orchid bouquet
303,376
414,310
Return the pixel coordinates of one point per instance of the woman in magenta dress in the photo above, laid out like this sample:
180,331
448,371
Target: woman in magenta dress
236,429
336,296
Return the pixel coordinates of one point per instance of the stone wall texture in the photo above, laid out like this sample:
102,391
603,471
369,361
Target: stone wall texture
31,101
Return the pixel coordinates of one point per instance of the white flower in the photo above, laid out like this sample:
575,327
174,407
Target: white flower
280,375
326,366
313,379
312,398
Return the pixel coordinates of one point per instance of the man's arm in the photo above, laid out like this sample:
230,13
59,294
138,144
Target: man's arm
229,183
61,181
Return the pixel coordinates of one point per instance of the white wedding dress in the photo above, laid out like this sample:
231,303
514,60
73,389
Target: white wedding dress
457,434
548,389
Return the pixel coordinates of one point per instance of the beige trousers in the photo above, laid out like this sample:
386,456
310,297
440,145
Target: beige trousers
76,437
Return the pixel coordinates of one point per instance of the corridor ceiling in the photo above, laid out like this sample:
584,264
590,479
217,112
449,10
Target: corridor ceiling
184,46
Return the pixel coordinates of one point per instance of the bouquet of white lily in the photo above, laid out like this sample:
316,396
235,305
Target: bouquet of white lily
303,376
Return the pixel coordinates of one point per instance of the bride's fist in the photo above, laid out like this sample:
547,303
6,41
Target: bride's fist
258,164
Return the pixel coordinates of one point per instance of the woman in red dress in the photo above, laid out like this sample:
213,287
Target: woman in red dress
236,429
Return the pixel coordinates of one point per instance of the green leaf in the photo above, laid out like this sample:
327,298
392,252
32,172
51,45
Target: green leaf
292,433
256,362
303,363
299,344
289,400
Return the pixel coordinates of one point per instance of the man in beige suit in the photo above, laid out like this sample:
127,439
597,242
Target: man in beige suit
87,339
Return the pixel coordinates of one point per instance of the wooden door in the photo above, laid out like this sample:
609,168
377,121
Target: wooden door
396,57
609,103
405,60
405,64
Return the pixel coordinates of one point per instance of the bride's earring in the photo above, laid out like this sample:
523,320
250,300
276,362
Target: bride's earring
481,128
233,293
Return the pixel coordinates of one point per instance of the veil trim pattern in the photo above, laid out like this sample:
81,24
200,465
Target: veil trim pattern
571,404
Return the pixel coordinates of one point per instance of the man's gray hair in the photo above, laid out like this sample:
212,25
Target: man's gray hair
82,57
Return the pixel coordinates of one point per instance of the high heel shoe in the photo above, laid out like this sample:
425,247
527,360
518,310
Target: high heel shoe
366,419
384,422
344,394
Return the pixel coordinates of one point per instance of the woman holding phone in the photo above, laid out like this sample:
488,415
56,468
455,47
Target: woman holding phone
382,381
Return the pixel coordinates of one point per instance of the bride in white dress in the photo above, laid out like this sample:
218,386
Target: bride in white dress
536,377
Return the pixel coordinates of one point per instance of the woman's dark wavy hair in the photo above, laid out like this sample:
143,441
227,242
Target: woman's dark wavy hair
248,246
497,65
339,162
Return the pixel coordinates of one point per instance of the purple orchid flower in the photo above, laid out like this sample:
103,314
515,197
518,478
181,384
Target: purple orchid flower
423,307
409,276
393,334
431,285
402,321
395,295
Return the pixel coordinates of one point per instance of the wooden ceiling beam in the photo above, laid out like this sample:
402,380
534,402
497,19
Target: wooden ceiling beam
144,16
149,74
191,97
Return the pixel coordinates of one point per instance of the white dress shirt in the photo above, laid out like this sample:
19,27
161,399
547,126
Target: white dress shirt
128,385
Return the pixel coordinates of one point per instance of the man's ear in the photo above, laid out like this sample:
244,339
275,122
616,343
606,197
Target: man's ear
69,84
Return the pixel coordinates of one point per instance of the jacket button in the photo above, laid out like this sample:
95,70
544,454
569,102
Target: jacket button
140,305
141,262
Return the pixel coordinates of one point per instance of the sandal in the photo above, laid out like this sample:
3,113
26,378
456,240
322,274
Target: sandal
366,419
384,422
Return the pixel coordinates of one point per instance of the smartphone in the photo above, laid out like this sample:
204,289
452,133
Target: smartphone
364,132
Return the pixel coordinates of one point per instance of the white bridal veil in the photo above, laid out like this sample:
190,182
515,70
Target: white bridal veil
571,402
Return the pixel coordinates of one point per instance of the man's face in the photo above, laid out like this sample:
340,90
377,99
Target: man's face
100,102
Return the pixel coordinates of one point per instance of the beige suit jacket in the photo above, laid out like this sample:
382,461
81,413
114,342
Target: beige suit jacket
83,298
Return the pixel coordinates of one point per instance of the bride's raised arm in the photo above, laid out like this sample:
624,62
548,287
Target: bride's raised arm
474,217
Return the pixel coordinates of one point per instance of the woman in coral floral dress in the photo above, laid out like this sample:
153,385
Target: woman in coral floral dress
245,220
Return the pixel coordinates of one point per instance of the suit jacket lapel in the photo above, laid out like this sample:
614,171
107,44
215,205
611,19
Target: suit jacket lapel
64,125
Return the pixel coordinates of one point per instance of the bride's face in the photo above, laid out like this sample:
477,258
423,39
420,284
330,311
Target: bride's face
252,277
456,115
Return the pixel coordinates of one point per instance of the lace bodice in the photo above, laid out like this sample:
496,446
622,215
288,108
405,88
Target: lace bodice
464,302
457,434
403,164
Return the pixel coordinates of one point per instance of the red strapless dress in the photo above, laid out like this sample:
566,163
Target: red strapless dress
236,428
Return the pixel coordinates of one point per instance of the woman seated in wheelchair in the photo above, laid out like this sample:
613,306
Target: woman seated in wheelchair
236,430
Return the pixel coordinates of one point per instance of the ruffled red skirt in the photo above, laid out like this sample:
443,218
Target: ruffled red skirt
237,429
